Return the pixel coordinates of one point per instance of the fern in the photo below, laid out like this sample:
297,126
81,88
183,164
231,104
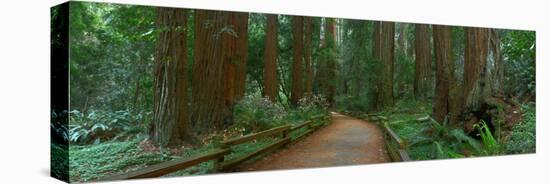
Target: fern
460,135
490,145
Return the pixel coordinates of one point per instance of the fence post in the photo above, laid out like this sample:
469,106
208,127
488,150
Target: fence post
286,133
218,162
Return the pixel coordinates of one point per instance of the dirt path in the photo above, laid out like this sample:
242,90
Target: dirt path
346,141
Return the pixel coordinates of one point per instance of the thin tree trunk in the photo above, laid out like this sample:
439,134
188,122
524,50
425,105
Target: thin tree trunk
170,98
270,58
423,62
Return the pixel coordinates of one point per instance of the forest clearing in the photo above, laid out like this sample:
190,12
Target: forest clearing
161,92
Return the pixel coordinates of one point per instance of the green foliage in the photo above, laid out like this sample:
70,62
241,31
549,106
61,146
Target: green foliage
111,49
523,137
456,142
256,49
102,160
356,87
437,140
255,113
404,74
99,126
312,106
59,161
491,146
519,51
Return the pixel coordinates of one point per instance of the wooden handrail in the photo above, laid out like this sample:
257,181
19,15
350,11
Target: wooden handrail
402,146
268,148
250,137
395,137
218,154
169,166
221,164
300,125
317,116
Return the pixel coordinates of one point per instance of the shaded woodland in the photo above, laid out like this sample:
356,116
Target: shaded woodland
151,84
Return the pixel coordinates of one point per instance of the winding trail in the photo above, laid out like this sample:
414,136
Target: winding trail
346,141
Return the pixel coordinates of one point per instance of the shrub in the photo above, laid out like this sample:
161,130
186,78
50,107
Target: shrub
255,113
314,105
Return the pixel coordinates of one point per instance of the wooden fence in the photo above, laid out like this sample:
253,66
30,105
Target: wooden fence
226,148
396,146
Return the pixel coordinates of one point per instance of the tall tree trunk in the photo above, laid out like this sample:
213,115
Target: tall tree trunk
330,66
215,69
308,55
316,59
383,49
170,97
241,26
423,62
475,60
270,58
444,71
297,76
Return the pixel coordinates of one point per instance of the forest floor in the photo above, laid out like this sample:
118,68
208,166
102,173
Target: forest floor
346,141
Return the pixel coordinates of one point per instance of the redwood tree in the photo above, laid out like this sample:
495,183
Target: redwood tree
297,36
475,60
498,73
270,58
308,25
329,64
170,120
383,52
218,53
423,62
241,26
443,71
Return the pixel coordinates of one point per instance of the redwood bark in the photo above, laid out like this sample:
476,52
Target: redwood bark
423,62
241,60
384,45
475,60
498,73
170,120
270,58
444,71
308,56
215,69
297,76
330,65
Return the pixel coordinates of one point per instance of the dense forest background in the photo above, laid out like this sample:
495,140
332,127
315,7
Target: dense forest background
151,84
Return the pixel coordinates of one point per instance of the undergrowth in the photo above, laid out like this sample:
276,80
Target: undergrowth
428,139
59,161
96,161
523,136
114,156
